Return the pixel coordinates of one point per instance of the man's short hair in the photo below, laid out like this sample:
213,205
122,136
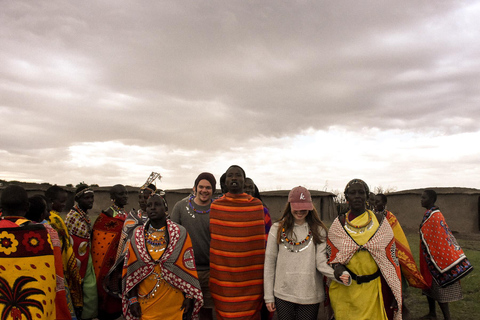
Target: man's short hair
432,195
14,200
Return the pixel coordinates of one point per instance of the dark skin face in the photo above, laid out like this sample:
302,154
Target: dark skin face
235,180
356,197
85,202
119,195
379,205
371,200
142,199
58,204
249,187
426,202
156,212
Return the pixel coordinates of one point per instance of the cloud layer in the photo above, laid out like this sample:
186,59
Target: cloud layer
299,92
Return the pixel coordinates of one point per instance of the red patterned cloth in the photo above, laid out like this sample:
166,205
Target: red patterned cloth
441,258
105,239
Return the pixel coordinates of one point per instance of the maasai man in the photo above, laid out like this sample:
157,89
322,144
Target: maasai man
31,272
442,261
80,229
362,244
107,230
56,200
193,213
237,251
410,273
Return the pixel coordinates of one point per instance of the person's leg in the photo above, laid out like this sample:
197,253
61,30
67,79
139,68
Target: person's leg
445,310
285,309
206,312
307,311
432,314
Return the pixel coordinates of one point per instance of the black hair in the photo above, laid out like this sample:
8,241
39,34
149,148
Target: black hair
112,190
432,195
38,205
53,192
14,200
223,187
383,197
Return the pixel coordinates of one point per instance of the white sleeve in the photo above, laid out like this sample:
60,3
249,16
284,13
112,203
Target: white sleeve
269,268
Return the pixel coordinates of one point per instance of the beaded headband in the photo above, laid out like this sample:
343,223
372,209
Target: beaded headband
354,181
83,192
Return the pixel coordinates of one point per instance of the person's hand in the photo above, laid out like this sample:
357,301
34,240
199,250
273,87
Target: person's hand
135,310
187,307
338,271
394,305
345,278
271,306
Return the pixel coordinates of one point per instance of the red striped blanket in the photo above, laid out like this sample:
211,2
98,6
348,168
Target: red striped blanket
237,254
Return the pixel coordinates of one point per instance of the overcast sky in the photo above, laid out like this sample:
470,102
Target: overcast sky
310,93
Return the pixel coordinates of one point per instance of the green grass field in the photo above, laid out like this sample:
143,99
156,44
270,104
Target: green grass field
466,309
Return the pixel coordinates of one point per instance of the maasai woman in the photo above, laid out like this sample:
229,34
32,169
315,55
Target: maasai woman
296,260
442,261
80,229
159,276
57,198
362,243
107,231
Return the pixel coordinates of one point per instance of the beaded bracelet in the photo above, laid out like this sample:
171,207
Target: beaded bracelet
132,300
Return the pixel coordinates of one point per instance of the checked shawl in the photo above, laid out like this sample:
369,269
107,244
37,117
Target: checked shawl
341,248
177,264
441,257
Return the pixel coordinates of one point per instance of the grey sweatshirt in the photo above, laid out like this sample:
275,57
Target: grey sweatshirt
295,276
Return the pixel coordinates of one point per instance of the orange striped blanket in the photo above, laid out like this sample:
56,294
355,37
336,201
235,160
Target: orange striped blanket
237,255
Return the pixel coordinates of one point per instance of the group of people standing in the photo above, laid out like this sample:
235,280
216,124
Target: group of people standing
218,256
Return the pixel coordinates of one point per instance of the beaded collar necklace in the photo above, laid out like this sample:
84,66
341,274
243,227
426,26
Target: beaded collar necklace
358,228
156,238
83,214
117,211
296,246
191,207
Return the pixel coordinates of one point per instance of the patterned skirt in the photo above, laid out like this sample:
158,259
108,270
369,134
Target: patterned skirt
450,293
